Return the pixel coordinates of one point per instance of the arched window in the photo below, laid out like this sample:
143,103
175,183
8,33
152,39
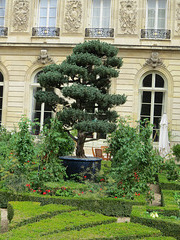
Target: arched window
1,95
40,112
153,92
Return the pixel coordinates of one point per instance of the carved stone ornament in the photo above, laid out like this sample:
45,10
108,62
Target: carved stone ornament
20,15
73,16
44,58
178,18
128,16
154,60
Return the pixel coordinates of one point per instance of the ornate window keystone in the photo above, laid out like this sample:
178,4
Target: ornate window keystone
44,58
154,60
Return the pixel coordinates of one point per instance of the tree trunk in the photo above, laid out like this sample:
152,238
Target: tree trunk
80,144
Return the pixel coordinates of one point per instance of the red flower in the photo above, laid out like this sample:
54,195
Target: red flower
85,176
34,190
44,168
138,194
27,185
48,190
102,180
100,188
28,161
44,193
82,192
115,197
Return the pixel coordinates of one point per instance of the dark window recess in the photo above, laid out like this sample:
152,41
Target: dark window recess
147,82
159,82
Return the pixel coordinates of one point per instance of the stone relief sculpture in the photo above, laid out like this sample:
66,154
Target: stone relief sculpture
73,15
20,15
178,18
44,58
154,60
128,16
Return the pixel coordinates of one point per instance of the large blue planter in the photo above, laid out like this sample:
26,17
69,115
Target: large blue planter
82,166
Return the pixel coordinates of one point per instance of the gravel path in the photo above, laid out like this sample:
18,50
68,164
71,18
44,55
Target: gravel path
4,220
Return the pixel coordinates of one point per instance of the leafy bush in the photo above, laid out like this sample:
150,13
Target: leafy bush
171,169
176,151
134,162
55,142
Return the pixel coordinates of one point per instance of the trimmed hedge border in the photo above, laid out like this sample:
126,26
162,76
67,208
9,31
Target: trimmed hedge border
168,227
123,231
37,212
106,206
164,183
76,220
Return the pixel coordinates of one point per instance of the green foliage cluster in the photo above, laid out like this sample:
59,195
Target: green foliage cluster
171,169
164,183
26,160
134,163
176,151
168,226
106,206
84,79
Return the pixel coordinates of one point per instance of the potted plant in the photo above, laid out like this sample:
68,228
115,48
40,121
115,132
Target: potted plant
84,80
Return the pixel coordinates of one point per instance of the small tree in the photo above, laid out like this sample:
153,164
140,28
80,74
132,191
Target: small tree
84,80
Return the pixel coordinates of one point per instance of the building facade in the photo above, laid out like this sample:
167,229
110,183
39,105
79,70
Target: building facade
36,33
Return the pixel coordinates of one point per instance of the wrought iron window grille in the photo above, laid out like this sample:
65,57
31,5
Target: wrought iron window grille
156,33
45,31
3,31
99,32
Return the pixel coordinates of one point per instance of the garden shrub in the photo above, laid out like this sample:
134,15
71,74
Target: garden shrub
121,231
106,206
62,222
168,226
134,162
176,151
22,213
164,183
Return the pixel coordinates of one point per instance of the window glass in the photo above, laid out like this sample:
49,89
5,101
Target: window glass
159,81
147,82
1,96
2,12
152,101
156,15
101,13
47,13
40,112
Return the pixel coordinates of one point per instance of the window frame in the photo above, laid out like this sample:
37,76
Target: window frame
153,90
3,17
156,15
34,85
1,97
101,14
47,15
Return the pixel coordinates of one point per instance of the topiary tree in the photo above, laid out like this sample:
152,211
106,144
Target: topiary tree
84,80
